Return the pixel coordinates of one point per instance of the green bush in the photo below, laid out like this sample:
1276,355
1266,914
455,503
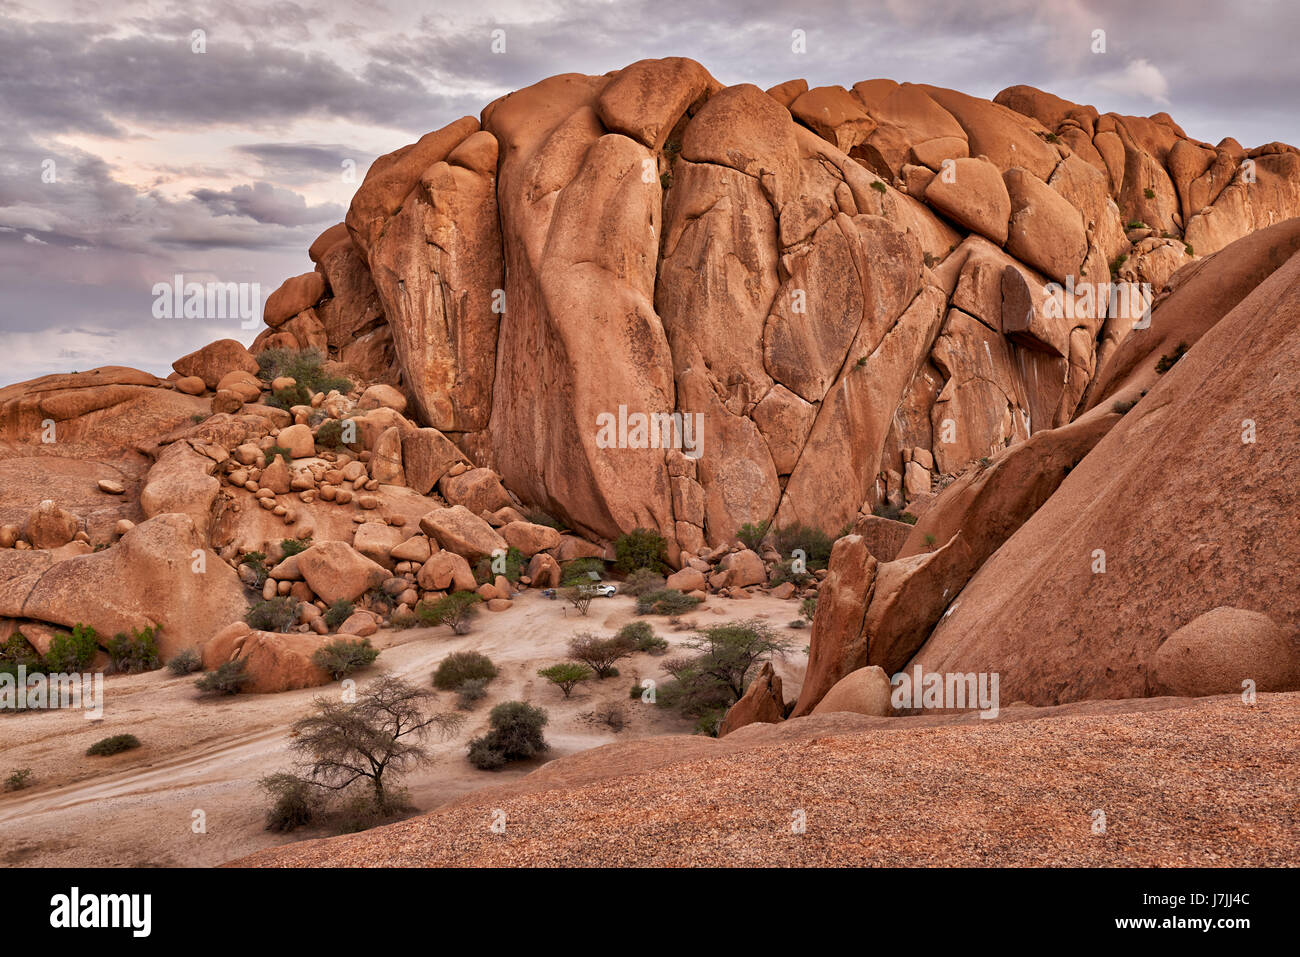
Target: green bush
72,652
461,666
470,692
783,572
751,535
185,662
275,451
456,611
293,546
808,607
878,186
228,678
304,366
113,745
641,548
18,780
257,562
815,543
641,637
16,652
667,601
272,614
566,676
137,651
514,567
339,612
286,398
342,656
295,801
579,571
641,581
516,735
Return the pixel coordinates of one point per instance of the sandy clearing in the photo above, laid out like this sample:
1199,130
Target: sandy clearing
137,808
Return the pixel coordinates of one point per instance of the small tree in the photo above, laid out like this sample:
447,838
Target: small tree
72,652
808,607
600,653
456,611
137,651
751,535
382,732
580,597
566,676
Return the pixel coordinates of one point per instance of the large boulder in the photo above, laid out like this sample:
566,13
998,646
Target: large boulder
459,530
479,490
215,360
49,526
761,702
446,571
274,662
336,570
160,573
529,538
865,691
1221,650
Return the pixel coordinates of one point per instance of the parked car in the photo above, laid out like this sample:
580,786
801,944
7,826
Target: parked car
605,590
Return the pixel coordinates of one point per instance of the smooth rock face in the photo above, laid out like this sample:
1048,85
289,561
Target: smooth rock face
1221,651
336,570
459,530
865,691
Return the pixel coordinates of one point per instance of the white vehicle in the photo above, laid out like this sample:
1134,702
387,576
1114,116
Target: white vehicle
604,590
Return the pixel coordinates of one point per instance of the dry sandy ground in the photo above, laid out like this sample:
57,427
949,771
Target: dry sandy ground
1208,782
138,808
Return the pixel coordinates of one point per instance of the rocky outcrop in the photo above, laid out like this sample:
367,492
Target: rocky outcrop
761,702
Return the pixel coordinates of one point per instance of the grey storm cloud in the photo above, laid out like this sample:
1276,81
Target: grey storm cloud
265,203
286,92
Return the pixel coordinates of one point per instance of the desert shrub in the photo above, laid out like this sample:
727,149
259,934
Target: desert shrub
1149,193
1187,248
257,562
19,779
515,563
599,653
295,801
402,620
612,716
641,548
292,546
185,662
815,543
137,651
878,186
667,601
227,678
1167,362
808,607
16,652
287,397
304,366
277,451
580,570
72,652
461,666
641,581
566,676
515,735
783,572
470,692
706,684
751,535
642,637
456,610
272,614
343,656
115,744
338,612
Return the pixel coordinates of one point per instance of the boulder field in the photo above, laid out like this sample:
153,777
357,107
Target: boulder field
910,318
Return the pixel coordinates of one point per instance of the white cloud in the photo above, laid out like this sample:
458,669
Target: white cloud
1140,77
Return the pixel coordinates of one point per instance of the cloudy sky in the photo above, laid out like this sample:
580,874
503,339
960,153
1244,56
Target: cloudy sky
128,157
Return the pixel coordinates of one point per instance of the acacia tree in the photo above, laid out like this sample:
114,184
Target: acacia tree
600,654
382,731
